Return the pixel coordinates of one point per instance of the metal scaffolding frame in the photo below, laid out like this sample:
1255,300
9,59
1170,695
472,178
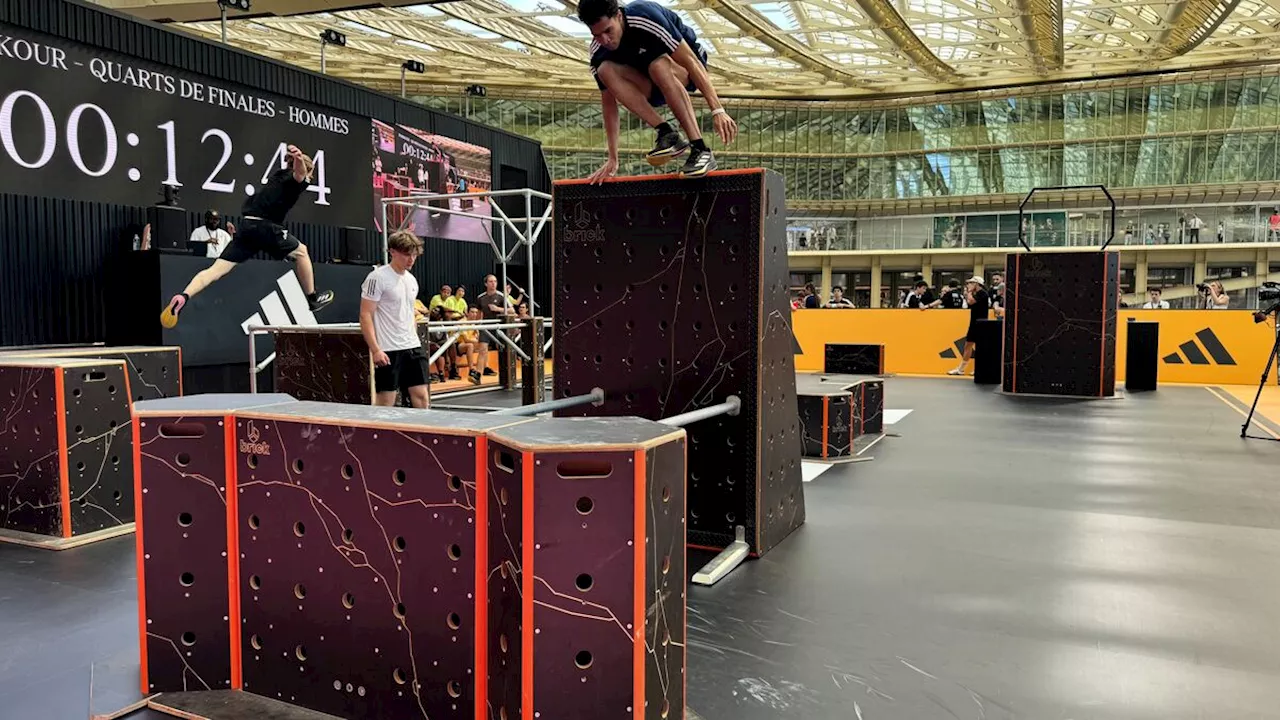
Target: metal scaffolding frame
527,237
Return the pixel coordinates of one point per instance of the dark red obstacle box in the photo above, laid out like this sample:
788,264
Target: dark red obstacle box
586,575
154,371
66,465
671,294
185,451
842,415
362,558
1060,323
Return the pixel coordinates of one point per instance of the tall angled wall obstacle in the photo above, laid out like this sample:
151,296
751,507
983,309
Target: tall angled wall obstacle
671,295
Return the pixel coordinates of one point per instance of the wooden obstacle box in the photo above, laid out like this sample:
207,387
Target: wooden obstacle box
853,359
326,364
1060,323
671,295
586,573
841,414
185,463
360,552
154,371
66,465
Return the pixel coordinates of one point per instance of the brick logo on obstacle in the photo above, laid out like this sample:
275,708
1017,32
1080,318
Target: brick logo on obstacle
583,228
252,446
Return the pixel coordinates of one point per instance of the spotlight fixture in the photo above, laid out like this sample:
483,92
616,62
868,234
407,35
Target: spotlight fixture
333,37
241,5
477,91
410,66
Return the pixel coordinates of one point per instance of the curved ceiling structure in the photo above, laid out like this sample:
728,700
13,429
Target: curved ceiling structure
793,49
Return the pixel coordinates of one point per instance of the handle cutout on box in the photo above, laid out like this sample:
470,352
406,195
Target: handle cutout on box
505,461
94,376
584,469
182,430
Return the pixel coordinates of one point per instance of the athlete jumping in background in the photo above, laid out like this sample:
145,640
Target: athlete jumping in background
643,56
262,229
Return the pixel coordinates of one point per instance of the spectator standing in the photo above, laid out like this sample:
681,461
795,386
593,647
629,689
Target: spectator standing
1155,303
953,297
838,300
979,303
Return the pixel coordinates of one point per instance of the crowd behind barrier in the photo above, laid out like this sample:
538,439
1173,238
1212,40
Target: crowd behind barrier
1196,346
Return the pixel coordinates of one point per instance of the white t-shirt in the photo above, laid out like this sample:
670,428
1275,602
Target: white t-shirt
1164,305
217,239
394,322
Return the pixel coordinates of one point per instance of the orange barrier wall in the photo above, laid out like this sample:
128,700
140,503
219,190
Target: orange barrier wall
929,342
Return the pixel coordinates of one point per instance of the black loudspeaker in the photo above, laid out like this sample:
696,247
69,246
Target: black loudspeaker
169,231
988,352
355,248
1142,357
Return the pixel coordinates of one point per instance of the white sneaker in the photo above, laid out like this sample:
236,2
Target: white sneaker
956,371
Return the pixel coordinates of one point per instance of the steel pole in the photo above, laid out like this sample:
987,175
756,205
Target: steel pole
595,397
731,406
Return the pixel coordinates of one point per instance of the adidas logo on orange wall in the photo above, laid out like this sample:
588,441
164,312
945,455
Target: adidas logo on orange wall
1190,352
953,352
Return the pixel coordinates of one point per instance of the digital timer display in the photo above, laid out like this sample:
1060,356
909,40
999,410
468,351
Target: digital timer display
80,123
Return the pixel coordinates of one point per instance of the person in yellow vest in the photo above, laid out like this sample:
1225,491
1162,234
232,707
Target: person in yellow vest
476,351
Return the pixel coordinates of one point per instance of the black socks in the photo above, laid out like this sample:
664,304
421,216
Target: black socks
311,297
664,128
699,145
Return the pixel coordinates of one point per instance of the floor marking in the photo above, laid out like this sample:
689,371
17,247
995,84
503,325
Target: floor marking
1242,413
893,416
811,470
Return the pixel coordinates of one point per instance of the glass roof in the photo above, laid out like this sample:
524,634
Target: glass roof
783,49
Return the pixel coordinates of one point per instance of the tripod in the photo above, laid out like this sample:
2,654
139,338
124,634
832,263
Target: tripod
1275,349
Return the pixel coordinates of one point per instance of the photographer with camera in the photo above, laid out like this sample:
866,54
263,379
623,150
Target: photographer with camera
1215,298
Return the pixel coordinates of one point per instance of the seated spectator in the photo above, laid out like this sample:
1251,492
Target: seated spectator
439,367
1155,303
444,299
475,350
838,300
953,298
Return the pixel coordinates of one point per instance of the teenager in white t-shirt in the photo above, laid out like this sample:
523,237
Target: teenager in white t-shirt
1155,303
389,324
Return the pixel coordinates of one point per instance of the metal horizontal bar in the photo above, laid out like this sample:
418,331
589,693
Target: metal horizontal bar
731,406
595,397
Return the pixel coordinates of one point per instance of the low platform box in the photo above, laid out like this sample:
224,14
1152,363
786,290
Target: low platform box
361,558
154,371
589,525
327,365
66,461
839,414
185,516
853,359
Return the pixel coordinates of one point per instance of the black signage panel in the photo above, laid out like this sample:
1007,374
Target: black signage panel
80,123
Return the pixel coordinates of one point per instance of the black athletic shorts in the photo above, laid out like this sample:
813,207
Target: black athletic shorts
657,99
254,236
408,369
972,334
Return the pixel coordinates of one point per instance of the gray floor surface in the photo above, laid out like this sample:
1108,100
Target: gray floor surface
999,558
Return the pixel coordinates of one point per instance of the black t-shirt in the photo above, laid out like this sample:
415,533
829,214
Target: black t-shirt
486,299
952,300
980,305
274,201
925,298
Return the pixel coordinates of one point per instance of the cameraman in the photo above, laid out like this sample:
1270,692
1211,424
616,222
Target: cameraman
1215,298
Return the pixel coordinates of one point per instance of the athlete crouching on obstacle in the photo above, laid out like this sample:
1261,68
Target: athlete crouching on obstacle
262,230
389,324
644,56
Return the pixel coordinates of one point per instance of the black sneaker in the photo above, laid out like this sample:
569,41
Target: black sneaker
489,371
669,145
700,163
321,299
